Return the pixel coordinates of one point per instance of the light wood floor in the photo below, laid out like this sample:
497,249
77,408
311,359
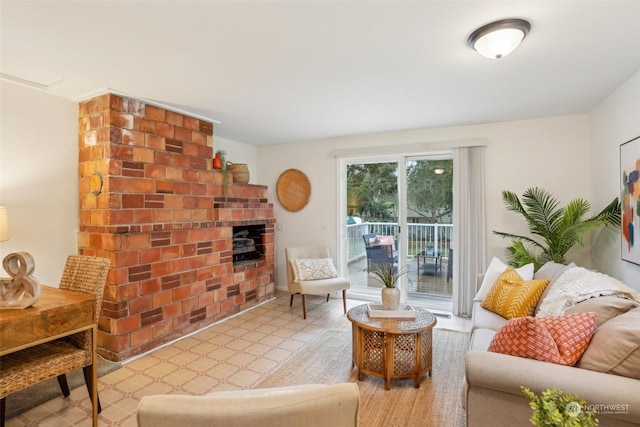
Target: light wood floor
235,354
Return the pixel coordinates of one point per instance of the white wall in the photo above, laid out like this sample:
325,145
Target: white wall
237,152
551,153
39,177
613,122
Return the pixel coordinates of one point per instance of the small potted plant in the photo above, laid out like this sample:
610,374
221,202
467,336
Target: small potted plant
554,409
219,163
388,274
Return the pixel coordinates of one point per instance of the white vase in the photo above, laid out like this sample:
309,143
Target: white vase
390,298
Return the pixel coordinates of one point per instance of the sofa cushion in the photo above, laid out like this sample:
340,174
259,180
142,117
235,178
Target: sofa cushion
495,269
606,307
313,269
578,284
615,346
560,339
510,296
482,318
550,271
386,240
481,338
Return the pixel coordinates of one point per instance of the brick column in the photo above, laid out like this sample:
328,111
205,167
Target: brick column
147,196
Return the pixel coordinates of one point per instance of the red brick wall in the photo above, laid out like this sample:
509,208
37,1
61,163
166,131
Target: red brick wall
162,220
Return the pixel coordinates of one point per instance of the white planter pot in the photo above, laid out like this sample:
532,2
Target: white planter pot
390,298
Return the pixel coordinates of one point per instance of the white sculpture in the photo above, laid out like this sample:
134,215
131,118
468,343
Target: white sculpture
22,290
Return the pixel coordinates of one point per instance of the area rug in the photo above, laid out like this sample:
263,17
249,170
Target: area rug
33,396
437,402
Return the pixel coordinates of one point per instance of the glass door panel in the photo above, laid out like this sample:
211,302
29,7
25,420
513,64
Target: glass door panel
372,220
429,203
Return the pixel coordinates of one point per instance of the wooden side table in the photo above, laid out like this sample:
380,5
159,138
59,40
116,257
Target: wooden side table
58,313
392,349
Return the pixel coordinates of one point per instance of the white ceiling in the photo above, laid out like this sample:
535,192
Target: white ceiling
275,72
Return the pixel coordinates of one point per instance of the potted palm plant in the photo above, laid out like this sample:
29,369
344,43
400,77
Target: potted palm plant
388,274
560,228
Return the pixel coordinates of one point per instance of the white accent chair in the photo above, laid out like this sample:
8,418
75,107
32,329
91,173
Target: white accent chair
310,405
317,286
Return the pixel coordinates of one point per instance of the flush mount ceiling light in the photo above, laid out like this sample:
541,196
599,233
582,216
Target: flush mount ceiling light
438,171
499,38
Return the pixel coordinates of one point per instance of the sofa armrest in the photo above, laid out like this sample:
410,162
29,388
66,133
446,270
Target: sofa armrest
313,405
495,374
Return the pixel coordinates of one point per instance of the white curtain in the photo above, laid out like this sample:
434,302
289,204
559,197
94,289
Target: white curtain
469,234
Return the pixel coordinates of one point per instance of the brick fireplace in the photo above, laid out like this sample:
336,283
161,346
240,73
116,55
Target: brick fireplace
151,203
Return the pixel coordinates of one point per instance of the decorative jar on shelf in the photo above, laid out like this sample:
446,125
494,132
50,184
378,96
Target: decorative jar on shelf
218,160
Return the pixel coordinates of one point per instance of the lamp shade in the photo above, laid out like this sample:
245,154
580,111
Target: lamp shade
4,224
500,38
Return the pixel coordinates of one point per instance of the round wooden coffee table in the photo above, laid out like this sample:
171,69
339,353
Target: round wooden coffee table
392,349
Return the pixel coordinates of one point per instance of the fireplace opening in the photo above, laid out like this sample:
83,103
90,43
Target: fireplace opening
247,244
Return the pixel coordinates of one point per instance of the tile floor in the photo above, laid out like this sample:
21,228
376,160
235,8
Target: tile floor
237,353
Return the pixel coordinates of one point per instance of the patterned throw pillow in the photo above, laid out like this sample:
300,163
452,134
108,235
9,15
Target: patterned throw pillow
510,296
560,339
495,269
313,269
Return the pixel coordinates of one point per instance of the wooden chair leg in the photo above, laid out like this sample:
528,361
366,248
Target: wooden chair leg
291,301
344,300
328,297
3,407
64,386
304,307
88,379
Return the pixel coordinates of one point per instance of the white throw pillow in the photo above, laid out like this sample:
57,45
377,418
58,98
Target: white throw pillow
495,269
313,269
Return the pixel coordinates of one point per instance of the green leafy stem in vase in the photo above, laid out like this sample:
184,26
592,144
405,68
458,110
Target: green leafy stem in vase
387,273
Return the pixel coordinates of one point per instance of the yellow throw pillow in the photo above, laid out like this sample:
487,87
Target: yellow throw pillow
510,296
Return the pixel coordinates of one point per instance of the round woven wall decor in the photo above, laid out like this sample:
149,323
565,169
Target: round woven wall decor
293,190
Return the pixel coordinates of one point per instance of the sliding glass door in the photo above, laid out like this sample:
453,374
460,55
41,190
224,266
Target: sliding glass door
405,203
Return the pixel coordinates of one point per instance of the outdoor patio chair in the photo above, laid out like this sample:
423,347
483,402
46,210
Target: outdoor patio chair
377,252
381,254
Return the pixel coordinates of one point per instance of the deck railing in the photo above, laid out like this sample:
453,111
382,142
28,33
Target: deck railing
421,237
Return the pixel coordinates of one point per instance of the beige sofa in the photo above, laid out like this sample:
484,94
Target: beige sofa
492,394
312,405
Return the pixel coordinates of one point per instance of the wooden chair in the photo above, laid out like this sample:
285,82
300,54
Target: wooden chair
317,286
24,368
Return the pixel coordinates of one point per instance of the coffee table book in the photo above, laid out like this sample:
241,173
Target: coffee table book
404,311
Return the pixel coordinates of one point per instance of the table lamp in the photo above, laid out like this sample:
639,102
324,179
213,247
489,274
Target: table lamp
4,224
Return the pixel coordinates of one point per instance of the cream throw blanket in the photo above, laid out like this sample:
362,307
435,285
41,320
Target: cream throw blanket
578,284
